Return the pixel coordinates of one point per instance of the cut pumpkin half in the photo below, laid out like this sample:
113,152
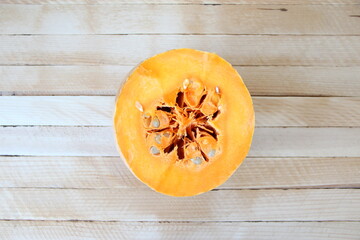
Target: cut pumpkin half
184,121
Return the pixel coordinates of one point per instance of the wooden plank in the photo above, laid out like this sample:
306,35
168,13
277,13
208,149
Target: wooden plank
147,205
296,142
165,19
132,49
99,141
105,80
73,80
98,111
59,111
57,230
301,81
220,2
111,172
311,112
58,141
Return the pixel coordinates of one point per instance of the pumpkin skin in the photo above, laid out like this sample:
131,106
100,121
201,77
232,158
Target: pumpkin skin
207,113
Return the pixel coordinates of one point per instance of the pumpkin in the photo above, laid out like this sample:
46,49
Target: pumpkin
184,121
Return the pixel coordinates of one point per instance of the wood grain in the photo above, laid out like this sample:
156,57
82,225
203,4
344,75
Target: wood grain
296,142
132,49
301,81
147,205
98,111
61,176
57,230
99,141
308,112
57,141
111,172
60,111
222,2
179,19
105,80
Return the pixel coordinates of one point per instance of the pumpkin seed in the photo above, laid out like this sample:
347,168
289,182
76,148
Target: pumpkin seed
186,83
156,122
212,153
154,150
197,160
158,138
139,106
217,90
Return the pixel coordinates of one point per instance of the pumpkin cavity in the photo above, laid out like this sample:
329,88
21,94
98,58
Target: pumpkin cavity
184,126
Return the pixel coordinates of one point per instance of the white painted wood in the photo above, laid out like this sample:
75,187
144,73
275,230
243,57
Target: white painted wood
232,2
179,19
302,81
111,172
58,141
296,142
68,80
61,111
99,141
98,111
26,230
147,205
299,111
132,49
105,80
50,188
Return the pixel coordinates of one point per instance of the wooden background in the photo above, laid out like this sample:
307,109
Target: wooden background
61,63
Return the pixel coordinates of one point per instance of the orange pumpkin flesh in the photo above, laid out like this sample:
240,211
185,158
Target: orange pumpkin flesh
184,121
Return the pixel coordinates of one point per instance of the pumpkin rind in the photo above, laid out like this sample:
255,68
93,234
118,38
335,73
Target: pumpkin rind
160,78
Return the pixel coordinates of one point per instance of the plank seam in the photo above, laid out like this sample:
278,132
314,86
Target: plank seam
181,4
33,94
213,190
166,222
132,65
111,156
180,34
110,125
